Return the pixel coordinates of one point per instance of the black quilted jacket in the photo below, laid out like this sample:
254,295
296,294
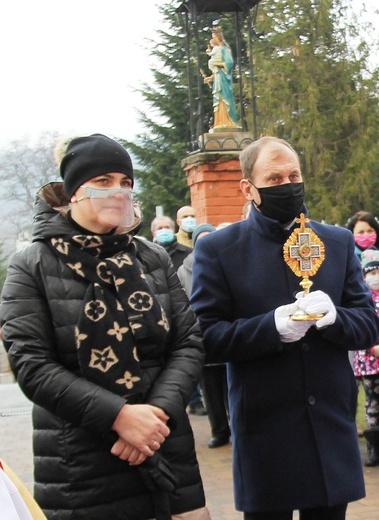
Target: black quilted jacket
76,477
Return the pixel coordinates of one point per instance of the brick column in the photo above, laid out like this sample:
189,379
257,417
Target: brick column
213,177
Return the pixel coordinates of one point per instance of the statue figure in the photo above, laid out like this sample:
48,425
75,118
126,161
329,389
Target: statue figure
214,50
221,65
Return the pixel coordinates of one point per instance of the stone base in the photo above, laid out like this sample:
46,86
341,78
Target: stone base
227,129
225,139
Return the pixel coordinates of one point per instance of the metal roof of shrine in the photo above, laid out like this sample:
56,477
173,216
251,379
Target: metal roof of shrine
218,6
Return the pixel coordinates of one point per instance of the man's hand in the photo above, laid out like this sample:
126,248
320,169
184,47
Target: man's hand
142,426
318,302
289,330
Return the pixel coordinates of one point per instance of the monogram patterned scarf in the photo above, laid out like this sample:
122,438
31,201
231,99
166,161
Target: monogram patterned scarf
119,315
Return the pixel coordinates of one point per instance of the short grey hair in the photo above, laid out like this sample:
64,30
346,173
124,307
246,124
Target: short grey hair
155,221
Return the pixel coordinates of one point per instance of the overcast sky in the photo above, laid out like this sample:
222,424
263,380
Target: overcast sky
72,66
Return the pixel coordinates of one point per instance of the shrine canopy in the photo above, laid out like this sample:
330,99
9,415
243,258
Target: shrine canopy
217,6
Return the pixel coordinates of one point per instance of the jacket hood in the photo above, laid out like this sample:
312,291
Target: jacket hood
50,213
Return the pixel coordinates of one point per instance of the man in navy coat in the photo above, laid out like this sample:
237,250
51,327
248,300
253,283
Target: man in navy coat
292,393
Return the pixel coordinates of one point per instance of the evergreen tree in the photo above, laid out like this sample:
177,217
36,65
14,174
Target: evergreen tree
315,89
158,152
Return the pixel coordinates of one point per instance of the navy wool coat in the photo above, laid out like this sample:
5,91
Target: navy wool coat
292,405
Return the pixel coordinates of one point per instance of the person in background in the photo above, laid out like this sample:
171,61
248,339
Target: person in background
196,404
186,221
101,338
292,392
162,229
213,381
365,228
366,363
185,271
223,225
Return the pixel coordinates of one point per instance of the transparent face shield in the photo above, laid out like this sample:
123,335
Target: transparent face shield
113,206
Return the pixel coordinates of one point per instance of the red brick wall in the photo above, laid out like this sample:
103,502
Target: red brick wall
214,188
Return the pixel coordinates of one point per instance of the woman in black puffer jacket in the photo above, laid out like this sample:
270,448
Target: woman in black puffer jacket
101,338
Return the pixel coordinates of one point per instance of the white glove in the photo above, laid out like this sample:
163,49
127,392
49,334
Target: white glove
290,331
318,302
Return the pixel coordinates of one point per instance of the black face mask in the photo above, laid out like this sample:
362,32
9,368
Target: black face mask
283,202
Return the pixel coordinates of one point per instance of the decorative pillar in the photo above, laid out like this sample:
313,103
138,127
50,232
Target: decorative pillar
214,175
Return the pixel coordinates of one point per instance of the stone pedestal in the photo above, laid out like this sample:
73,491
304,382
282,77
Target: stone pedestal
213,176
225,139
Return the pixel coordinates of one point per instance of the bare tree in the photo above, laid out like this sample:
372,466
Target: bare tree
24,168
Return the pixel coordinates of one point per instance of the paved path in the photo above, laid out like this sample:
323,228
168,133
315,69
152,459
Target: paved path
215,464
215,467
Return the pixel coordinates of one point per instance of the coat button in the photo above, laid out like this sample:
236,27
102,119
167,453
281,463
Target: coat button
311,400
305,347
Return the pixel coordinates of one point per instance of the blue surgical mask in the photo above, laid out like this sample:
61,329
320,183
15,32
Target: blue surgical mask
164,236
188,224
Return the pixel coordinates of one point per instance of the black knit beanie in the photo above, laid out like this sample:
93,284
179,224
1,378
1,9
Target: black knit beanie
88,157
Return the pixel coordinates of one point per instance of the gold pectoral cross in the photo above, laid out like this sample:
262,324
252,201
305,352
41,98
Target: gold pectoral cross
304,252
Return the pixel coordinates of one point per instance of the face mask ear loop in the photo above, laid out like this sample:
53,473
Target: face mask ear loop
252,200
